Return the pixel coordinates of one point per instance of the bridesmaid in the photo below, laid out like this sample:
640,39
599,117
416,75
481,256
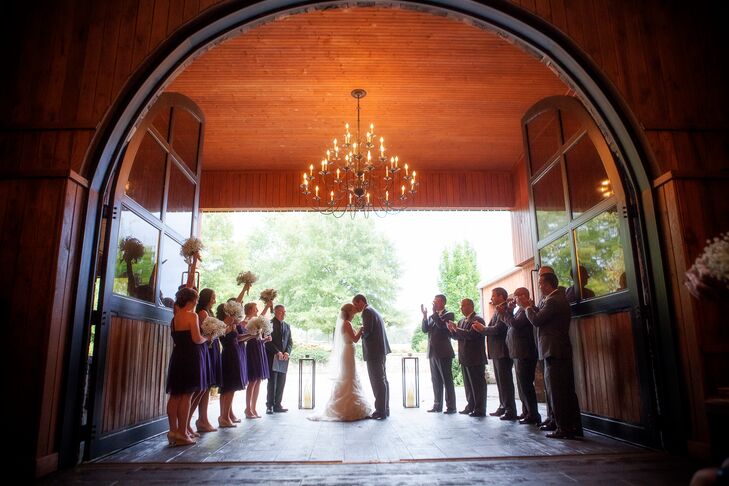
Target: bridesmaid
186,374
235,369
204,309
257,362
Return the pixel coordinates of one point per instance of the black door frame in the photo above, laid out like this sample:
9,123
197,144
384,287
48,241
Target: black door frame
530,32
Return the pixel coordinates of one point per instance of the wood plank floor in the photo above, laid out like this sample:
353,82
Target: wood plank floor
411,447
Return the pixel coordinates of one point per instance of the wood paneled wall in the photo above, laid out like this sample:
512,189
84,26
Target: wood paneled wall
41,221
693,207
606,379
225,190
137,357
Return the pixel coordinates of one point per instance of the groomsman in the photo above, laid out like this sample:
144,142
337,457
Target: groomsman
498,351
278,350
440,354
552,322
523,350
472,355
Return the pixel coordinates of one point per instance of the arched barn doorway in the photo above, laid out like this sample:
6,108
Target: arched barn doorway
627,177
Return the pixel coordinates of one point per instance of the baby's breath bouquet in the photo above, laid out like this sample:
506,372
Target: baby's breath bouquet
709,276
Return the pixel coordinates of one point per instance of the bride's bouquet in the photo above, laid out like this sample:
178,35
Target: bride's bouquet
268,296
191,248
213,328
260,325
233,309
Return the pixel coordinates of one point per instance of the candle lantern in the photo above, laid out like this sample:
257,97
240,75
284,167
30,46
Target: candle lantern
410,381
307,382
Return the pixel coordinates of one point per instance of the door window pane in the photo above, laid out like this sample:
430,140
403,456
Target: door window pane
180,202
571,124
162,123
147,177
549,202
557,255
543,139
588,182
171,267
186,137
135,271
600,256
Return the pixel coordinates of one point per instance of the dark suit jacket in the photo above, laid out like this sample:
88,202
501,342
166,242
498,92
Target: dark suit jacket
374,338
496,338
471,346
520,336
281,340
439,338
552,322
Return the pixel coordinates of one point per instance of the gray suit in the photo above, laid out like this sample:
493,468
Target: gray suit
498,351
522,348
440,356
472,356
552,322
375,348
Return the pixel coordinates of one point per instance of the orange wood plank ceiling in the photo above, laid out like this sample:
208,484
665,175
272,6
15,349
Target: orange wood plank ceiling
445,95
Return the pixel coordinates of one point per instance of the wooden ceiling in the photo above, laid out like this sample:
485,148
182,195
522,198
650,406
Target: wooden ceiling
444,94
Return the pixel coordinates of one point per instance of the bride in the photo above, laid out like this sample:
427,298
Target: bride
347,401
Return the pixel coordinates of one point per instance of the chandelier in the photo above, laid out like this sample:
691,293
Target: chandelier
351,179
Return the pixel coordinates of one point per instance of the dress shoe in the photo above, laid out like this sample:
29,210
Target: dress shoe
280,410
450,411
559,434
269,410
376,416
508,416
528,420
476,414
465,411
434,409
498,412
521,416
549,427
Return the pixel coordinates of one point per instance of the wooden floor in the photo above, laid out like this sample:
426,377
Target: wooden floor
411,447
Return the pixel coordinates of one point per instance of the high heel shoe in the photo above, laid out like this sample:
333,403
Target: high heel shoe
223,424
204,428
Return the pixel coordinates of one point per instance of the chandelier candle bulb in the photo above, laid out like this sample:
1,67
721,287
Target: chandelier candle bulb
311,170
368,198
328,155
316,190
403,189
387,195
331,196
337,174
406,170
350,198
396,160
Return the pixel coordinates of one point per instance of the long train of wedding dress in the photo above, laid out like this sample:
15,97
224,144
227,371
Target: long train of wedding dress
347,401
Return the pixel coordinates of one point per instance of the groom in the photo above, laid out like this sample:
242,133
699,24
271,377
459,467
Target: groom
374,350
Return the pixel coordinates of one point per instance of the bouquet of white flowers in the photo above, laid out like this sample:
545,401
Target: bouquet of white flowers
246,278
190,248
268,296
260,325
709,275
233,309
212,327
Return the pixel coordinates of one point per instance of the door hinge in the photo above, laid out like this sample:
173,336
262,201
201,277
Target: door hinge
109,212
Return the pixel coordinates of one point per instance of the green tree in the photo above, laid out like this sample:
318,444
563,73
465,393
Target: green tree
223,258
459,275
317,263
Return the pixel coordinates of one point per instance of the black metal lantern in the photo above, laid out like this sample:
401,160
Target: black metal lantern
307,382
410,381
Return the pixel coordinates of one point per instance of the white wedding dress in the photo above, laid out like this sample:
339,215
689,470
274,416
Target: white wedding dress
347,401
